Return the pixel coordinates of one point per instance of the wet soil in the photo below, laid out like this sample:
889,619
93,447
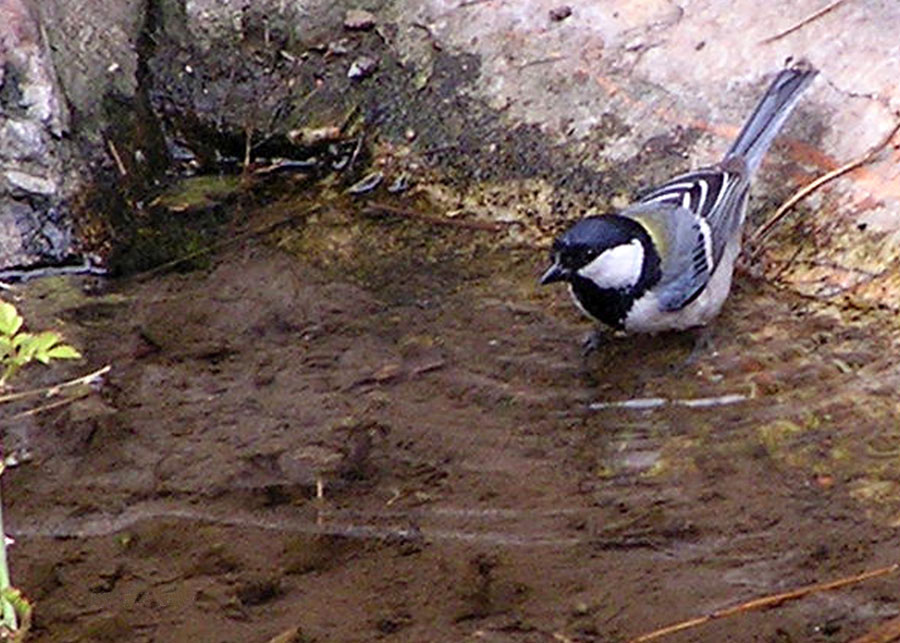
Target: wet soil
358,430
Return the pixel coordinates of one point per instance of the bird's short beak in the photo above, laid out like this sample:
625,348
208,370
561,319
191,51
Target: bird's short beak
554,273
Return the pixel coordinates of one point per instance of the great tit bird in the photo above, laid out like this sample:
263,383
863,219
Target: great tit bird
665,262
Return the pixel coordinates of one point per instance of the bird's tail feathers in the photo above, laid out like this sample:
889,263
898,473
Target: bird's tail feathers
770,114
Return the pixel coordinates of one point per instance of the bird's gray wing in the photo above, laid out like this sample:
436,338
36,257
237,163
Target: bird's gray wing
684,242
717,195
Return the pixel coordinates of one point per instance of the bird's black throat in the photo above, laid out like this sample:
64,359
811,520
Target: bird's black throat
603,304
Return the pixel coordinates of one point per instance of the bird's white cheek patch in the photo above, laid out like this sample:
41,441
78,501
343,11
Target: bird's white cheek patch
618,267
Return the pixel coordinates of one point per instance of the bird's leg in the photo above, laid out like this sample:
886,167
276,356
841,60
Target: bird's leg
702,336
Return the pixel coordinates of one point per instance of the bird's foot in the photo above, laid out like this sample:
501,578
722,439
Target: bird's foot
592,342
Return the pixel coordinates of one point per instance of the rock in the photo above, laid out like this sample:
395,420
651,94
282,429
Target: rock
309,136
56,54
359,20
22,140
33,178
27,70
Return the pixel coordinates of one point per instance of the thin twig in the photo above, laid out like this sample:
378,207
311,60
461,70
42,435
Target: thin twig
645,403
44,407
50,391
490,226
815,16
884,633
543,61
254,232
787,264
356,150
348,119
276,114
807,189
118,159
766,602
248,145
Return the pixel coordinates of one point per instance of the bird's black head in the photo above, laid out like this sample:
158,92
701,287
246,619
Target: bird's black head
609,261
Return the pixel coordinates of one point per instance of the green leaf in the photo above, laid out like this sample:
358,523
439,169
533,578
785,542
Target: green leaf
26,350
18,349
21,338
63,351
43,341
36,346
10,320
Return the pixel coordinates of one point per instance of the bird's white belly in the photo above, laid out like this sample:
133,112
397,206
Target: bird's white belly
646,316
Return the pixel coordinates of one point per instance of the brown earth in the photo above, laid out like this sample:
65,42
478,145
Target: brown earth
469,490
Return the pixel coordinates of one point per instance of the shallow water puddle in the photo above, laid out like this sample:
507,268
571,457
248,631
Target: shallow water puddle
478,473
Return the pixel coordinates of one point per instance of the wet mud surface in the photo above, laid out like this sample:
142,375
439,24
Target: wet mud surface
417,377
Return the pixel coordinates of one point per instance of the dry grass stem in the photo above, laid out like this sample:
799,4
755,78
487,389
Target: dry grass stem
811,187
374,207
766,602
253,232
44,407
814,16
50,391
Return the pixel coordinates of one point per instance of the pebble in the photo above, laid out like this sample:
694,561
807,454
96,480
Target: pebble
359,20
30,183
362,67
366,184
338,47
560,13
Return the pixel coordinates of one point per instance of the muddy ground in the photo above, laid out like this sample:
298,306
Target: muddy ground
470,491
